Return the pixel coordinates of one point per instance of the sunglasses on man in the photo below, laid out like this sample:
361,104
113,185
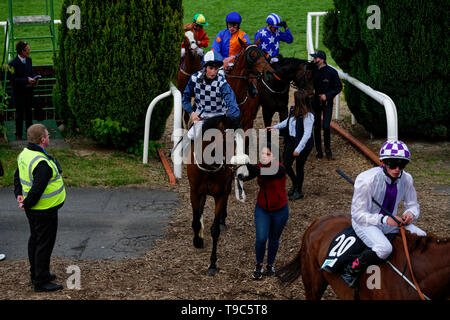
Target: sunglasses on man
233,25
396,163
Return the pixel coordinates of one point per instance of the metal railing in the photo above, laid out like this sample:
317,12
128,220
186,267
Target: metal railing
177,128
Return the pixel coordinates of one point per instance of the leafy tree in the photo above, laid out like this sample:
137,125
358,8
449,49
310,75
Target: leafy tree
406,59
124,55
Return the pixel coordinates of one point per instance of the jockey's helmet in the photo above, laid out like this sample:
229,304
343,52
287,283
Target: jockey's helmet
395,149
212,58
233,17
274,20
200,19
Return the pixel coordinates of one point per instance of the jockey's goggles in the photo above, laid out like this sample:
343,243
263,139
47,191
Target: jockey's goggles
396,163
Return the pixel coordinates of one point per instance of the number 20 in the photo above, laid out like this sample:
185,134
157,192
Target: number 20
342,245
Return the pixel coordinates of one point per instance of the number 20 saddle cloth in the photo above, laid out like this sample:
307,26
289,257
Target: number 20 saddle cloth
344,249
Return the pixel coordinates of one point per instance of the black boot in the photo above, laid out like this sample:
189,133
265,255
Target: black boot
353,271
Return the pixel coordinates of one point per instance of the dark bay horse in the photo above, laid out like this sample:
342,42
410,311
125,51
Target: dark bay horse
429,258
274,93
242,80
191,63
216,181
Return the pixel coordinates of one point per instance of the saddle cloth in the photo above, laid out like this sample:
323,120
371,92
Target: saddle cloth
344,249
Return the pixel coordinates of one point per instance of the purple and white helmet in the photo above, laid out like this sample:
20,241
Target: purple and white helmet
395,149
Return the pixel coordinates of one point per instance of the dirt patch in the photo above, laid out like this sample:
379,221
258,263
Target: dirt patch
174,269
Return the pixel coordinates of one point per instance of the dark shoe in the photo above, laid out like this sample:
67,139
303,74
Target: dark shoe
297,195
47,287
328,154
270,270
319,155
291,191
257,272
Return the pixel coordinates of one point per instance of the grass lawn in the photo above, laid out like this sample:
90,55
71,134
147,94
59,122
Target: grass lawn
92,168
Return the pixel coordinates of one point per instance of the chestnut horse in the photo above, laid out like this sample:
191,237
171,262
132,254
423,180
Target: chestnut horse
429,258
242,80
274,94
191,63
216,181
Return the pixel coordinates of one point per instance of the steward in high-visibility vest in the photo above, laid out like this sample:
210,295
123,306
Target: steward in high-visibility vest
54,194
40,192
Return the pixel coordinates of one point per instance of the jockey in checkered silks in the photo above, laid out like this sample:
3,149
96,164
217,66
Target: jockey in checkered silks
212,94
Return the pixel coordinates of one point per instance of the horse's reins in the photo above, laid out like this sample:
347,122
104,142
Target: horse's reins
402,232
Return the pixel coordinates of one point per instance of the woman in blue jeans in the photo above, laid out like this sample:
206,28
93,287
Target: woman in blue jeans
271,211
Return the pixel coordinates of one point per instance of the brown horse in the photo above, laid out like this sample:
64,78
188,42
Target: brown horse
191,63
242,80
429,258
216,180
274,94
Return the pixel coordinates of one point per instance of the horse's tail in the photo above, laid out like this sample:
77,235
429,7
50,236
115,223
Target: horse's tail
292,270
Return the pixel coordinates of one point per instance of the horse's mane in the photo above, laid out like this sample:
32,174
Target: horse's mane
421,243
286,65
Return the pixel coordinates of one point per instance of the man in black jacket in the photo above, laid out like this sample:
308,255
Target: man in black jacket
326,85
22,80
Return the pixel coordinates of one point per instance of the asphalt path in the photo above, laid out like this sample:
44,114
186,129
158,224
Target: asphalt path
94,223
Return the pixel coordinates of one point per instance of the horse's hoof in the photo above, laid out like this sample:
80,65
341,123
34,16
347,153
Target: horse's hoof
213,271
198,243
223,227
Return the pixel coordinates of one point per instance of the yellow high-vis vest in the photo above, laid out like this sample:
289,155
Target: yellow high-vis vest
55,193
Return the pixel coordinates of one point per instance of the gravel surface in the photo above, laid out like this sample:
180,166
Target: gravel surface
174,269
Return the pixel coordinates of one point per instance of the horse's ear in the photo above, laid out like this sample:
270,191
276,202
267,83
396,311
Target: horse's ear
257,42
243,43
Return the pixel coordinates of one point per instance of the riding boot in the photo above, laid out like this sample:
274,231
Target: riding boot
353,271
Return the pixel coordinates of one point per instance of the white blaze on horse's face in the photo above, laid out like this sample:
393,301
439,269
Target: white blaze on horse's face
242,172
190,36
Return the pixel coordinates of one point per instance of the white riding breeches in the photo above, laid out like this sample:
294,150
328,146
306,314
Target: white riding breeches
195,130
374,236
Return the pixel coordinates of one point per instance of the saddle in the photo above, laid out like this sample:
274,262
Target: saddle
344,249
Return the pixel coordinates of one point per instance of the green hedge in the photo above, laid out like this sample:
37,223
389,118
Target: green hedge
124,55
406,59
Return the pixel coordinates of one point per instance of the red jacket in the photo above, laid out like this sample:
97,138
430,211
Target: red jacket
200,34
272,194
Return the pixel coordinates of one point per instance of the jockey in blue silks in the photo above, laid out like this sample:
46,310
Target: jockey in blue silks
271,36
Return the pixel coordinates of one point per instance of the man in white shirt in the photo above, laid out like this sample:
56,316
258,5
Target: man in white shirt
387,184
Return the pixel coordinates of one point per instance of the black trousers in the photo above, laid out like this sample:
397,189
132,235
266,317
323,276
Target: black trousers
325,107
288,161
43,228
23,102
